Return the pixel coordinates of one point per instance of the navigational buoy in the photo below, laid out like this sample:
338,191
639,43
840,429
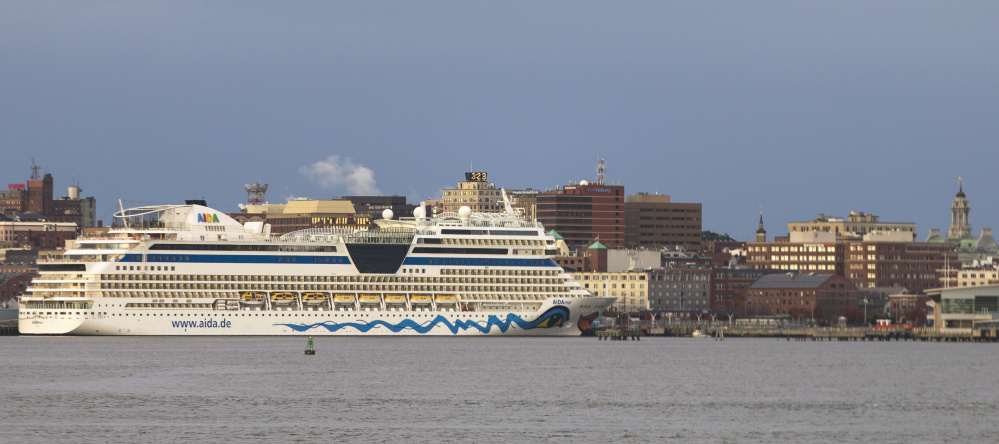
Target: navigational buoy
308,348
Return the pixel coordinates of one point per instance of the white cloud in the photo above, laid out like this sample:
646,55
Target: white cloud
333,173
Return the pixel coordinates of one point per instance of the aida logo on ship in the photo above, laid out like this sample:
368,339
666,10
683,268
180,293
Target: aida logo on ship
208,218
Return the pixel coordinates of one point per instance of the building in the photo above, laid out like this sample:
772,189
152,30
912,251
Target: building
820,297
675,258
37,197
761,233
372,207
524,202
960,233
680,289
476,192
820,254
728,287
700,288
960,216
31,230
304,214
878,259
961,309
977,277
854,227
911,265
652,221
13,285
624,259
907,308
583,213
627,286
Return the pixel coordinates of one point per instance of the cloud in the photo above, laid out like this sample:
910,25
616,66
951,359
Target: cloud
334,173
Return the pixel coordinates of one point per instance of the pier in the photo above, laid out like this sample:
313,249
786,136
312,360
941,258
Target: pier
9,328
620,334
821,334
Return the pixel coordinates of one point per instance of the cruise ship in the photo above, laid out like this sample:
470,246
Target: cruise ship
192,270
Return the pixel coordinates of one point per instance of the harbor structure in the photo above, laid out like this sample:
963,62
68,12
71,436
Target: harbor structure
965,309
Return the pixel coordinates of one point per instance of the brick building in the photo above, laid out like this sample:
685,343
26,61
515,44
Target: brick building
881,259
28,230
652,221
822,297
37,197
583,213
13,285
910,265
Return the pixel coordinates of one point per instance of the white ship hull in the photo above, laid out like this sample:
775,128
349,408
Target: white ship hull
566,318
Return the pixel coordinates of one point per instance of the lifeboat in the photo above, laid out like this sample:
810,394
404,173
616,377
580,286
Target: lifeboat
370,299
282,298
343,299
395,299
419,299
315,298
252,299
445,300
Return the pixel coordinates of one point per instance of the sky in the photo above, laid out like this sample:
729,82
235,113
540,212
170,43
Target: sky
797,108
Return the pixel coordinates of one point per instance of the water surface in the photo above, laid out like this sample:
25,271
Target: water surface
221,389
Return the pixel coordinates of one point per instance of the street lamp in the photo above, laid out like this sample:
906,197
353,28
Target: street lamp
865,312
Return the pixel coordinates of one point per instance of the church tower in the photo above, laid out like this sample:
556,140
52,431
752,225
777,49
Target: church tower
761,234
960,225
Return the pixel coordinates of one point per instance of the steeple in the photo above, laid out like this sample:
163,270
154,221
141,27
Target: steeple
960,212
761,234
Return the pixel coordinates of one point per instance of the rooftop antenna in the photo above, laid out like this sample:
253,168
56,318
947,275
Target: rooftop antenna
34,170
601,171
255,193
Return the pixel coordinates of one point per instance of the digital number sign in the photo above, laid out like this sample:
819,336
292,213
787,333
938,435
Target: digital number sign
479,176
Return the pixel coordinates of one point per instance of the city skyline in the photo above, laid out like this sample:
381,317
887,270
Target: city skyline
781,230
800,108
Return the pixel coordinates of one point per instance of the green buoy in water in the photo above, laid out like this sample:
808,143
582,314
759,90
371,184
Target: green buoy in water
308,348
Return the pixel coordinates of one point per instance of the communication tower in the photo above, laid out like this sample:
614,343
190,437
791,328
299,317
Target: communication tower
601,171
255,193
34,170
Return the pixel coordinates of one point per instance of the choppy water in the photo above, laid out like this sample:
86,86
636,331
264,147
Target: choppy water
140,389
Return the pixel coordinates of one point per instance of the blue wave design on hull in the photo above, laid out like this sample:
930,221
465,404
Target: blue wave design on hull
556,314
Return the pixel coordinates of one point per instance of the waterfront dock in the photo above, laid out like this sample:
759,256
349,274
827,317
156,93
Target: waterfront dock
620,334
830,333
9,328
